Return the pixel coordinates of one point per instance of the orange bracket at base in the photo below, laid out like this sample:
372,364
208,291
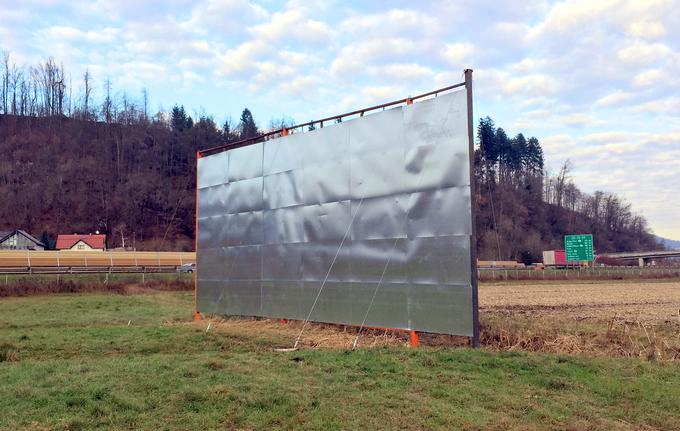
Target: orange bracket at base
414,339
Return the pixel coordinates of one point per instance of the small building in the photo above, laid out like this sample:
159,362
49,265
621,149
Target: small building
19,240
81,242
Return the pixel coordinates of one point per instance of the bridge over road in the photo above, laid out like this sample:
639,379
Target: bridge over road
643,256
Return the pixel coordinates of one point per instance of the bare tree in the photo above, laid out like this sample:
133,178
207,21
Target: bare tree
5,81
561,182
145,103
86,94
107,105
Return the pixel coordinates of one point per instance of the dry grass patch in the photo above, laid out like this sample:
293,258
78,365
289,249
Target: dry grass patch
314,336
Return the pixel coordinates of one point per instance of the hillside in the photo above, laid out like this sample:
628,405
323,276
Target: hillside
523,210
670,244
136,182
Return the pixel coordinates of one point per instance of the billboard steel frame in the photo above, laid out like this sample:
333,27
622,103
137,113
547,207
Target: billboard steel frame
467,84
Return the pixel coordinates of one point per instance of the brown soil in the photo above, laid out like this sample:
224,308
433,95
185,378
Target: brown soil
649,303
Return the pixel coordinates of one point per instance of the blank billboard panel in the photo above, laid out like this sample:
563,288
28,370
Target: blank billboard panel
372,215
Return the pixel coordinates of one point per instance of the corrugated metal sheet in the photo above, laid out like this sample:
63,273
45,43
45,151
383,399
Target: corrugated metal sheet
382,201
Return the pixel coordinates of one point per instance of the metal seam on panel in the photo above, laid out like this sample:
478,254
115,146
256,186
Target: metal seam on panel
311,310
389,259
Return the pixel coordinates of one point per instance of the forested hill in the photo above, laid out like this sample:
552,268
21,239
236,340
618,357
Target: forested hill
75,164
522,210
134,178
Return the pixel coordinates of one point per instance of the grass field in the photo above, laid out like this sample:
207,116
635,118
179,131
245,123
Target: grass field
136,361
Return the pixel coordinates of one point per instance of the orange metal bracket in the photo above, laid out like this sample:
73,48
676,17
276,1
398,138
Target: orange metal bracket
414,339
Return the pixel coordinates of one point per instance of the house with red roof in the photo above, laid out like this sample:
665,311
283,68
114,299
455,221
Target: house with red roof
81,242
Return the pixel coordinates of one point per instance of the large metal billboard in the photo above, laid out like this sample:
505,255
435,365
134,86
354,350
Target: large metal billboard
367,221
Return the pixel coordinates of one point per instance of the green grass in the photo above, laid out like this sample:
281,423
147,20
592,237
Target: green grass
74,363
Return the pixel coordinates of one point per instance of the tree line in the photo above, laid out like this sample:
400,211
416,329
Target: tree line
523,209
83,157
74,162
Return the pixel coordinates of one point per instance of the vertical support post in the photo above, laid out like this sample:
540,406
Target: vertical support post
413,335
197,315
473,233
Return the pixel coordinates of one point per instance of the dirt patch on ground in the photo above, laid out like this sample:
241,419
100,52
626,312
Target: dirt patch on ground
649,303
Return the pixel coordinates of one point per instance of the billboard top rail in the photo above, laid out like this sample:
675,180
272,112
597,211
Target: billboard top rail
285,130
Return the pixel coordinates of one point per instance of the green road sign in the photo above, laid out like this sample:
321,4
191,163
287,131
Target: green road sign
578,247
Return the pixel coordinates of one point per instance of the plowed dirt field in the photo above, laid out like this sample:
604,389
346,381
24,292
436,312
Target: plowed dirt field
648,302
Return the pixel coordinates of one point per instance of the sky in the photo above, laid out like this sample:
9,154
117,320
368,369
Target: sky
597,82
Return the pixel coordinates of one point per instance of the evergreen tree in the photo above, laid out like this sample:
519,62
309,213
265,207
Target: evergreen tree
486,135
504,145
247,126
227,133
518,154
178,118
535,156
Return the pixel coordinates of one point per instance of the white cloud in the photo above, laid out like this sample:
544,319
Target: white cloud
640,52
648,77
402,72
581,120
381,93
666,106
646,29
458,54
614,99
293,25
394,22
224,16
531,85
243,59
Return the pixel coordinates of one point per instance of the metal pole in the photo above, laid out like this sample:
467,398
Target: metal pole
473,233
197,314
